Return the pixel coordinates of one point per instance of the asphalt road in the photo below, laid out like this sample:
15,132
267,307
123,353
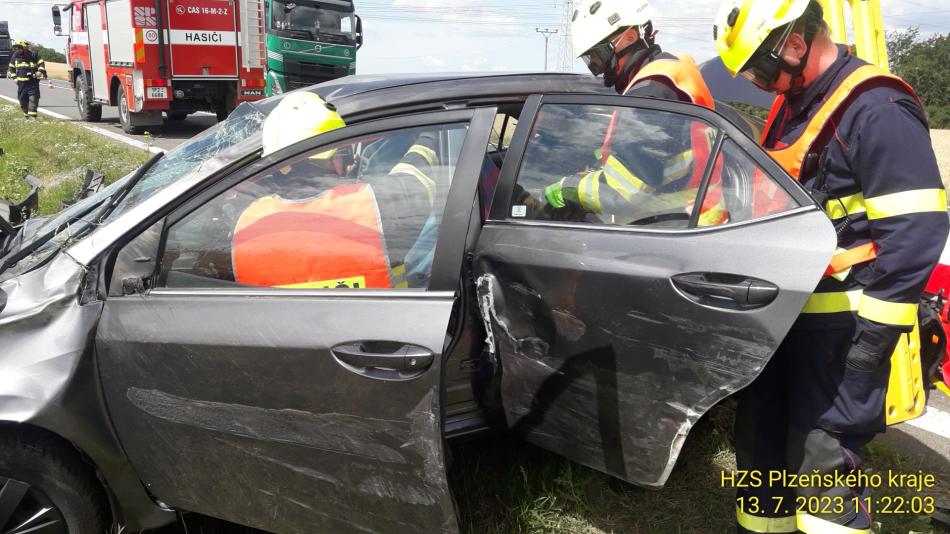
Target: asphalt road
60,100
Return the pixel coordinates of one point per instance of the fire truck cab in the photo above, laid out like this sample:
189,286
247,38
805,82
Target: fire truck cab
163,57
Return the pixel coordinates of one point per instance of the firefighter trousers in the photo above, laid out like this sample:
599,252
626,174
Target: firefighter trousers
28,93
799,431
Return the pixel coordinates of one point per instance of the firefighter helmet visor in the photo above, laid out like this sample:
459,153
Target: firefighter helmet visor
765,66
599,58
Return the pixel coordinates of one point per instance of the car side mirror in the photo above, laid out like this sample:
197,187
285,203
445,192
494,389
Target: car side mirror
359,32
57,22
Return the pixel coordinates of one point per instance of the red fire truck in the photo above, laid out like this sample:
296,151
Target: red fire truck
171,57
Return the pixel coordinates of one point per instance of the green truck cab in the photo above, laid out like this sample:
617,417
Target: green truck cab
309,42
6,50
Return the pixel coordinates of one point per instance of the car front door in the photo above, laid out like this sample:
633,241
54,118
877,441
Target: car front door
253,382
642,261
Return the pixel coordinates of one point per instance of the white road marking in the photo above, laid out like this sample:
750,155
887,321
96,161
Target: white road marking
933,421
41,110
122,139
101,131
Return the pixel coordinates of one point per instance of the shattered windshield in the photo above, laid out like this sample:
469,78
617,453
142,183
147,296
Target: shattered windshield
313,19
193,156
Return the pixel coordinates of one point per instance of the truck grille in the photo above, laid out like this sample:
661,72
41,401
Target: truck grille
303,73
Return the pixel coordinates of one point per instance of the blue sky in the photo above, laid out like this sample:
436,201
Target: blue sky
462,35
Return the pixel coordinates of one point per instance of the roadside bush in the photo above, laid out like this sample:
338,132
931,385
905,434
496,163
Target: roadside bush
939,117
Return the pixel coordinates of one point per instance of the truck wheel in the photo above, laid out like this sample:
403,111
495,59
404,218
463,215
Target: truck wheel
88,110
222,110
45,487
125,115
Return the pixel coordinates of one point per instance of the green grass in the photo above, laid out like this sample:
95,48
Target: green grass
505,486
58,153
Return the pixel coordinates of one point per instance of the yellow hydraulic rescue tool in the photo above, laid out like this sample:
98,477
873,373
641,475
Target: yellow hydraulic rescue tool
906,397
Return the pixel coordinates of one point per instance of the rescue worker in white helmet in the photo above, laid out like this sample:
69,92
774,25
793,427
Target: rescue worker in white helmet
284,242
857,138
615,38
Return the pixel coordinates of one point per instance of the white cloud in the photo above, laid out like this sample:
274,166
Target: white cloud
453,35
31,22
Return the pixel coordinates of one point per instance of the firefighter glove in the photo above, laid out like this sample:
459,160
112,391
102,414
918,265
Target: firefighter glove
555,195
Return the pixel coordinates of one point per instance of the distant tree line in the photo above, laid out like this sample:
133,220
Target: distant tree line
48,54
923,63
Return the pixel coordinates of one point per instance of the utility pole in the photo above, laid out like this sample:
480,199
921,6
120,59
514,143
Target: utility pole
547,33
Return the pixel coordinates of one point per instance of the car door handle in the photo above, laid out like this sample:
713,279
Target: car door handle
725,290
380,359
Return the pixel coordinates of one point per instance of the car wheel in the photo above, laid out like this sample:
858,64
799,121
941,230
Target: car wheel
45,487
125,115
88,110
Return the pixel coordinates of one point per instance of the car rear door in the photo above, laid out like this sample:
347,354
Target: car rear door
642,261
298,407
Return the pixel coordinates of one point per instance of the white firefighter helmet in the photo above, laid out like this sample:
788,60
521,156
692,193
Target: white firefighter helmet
595,21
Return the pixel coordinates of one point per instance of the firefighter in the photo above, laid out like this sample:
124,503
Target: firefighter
616,39
351,235
858,139
26,68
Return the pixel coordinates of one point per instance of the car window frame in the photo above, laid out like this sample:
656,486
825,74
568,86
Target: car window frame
449,245
501,203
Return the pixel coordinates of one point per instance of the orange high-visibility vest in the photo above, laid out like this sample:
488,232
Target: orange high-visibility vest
683,74
333,240
792,156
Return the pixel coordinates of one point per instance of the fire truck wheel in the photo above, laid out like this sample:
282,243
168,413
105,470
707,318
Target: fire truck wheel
125,115
222,110
88,110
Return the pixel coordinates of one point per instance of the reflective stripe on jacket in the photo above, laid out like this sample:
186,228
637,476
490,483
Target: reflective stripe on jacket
333,240
614,190
883,186
25,65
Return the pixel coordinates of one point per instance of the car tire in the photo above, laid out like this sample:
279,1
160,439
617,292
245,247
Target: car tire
88,110
125,115
38,472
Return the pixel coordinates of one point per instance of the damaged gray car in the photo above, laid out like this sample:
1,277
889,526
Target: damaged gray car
597,310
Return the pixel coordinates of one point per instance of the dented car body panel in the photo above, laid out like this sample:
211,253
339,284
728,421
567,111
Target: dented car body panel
604,360
50,378
203,383
251,404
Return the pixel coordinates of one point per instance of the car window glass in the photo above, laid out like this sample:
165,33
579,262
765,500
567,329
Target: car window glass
360,214
498,143
75,16
194,156
739,190
611,165
502,131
